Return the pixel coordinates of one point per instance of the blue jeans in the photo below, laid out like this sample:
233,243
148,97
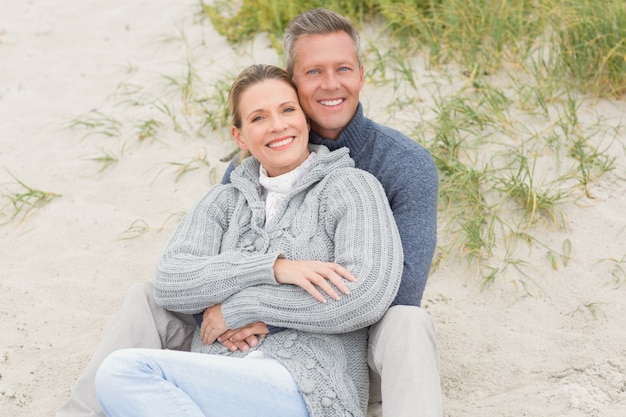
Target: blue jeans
154,382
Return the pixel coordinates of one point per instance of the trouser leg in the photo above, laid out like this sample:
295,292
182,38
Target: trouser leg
154,383
404,364
138,323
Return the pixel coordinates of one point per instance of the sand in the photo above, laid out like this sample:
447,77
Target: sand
556,348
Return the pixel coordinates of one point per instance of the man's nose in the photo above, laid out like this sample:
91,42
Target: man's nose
330,81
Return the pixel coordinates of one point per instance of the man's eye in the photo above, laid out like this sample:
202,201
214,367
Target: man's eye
344,69
313,72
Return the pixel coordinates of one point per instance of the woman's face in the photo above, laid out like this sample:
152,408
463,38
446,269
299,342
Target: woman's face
273,126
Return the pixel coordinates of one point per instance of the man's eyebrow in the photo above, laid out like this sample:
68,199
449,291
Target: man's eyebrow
342,63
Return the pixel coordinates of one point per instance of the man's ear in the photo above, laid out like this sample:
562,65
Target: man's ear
236,133
362,74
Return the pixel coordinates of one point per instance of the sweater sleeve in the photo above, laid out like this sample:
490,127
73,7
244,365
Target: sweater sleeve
367,243
193,274
411,184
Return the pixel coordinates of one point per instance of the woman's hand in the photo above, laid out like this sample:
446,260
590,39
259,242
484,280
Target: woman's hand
311,275
213,324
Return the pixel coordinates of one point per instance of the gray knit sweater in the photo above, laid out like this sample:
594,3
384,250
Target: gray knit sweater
409,176
335,213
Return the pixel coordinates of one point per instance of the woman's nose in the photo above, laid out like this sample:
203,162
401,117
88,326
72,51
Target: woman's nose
278,123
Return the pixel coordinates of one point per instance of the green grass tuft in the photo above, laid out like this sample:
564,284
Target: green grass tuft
24,201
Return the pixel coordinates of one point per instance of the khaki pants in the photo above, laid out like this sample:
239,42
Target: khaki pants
404,364
403,341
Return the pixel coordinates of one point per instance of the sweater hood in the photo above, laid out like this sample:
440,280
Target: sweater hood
246,176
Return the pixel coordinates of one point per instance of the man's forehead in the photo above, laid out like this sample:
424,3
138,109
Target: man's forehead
339,35
326,48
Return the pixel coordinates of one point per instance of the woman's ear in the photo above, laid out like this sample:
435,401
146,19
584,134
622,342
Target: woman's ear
236,133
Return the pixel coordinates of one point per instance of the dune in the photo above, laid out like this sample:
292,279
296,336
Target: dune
80,122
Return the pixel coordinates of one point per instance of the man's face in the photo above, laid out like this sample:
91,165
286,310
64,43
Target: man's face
329,79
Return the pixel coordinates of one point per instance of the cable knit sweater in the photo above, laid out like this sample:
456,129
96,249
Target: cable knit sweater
409,176
222,252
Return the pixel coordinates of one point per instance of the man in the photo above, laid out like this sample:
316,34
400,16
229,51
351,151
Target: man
322,55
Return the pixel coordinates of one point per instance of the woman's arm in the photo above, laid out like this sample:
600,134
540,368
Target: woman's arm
192,274
367,243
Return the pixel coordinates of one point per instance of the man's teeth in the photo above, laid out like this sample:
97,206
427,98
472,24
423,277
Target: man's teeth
281,143
331,102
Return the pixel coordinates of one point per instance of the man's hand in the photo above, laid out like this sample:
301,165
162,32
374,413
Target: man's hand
245,337
213,324
312,275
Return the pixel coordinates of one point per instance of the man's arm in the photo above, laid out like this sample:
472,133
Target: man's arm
229,170
413,199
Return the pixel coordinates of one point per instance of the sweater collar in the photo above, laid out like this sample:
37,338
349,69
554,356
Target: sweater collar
285,182
352,136
246,176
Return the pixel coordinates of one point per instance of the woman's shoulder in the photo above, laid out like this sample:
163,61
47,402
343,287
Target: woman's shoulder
218,196
350,181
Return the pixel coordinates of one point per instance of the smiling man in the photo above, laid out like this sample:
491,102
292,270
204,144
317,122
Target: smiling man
322,54
328,80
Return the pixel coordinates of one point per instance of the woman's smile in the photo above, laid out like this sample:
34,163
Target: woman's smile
281,142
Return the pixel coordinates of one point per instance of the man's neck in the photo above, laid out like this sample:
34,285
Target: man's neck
327,134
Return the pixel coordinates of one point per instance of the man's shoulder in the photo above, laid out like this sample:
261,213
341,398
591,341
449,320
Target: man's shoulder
396,145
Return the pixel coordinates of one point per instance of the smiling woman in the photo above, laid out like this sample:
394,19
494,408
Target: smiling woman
272,126
300,246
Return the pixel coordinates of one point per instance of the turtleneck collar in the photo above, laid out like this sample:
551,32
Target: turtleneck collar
351,136
285,182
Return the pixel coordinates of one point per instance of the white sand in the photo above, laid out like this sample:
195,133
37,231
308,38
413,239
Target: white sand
64,269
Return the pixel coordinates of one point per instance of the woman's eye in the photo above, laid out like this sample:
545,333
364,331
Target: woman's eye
257,118
289,109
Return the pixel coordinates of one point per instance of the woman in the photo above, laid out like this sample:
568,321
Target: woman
296,221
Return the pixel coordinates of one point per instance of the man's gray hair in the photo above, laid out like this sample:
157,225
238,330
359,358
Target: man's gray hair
320,21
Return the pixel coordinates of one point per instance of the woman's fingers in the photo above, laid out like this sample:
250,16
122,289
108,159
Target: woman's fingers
339,281
210,335
324,279
312,289
314,277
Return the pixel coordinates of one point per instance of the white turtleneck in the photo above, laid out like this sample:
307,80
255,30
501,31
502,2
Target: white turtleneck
276,188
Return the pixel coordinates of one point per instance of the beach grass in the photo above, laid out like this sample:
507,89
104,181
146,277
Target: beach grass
105,159
22,201
492,89
180,168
